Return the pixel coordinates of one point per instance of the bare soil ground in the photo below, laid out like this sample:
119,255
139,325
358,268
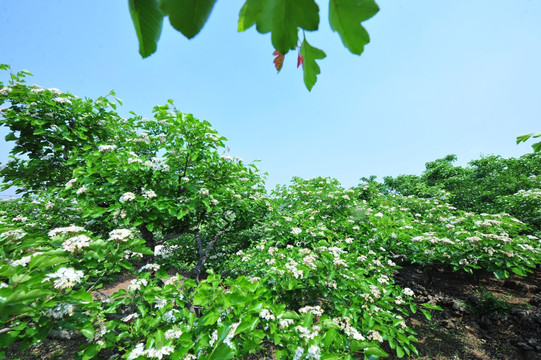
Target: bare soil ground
482,318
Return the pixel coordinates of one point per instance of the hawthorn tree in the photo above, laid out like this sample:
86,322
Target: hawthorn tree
284,19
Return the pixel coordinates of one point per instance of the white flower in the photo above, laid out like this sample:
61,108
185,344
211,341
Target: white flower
298,353
121,235
296,231
173,334
60,310
314,352
315,310
285,323
106,148
65,277
76,243
213,337
151,267
129,196
170,317
136,284
374,335
5,90
21,262
61,100
408,292
138,351
65,230
203,191
71,182
130,317
231,334
149,194
266,314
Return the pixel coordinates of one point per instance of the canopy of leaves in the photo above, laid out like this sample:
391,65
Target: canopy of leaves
282,18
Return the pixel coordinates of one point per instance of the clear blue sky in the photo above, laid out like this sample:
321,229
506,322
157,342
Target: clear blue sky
438,77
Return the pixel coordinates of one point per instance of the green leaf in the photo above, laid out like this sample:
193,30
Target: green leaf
223,352
375,351
311,69
91,351
281,18
523,137
148,20
345,16
87,330
427,314
187,16
20,296
38,262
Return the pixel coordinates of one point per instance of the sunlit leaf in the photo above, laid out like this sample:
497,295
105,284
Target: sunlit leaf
147,19
345,17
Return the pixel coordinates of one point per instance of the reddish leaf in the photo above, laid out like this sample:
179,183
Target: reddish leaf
278,60
300,60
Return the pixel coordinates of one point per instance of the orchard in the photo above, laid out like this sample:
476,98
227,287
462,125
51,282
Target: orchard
303,272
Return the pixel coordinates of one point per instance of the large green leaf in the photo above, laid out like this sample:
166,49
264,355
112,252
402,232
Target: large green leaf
187,16
147,19
311,69
345,16
282,18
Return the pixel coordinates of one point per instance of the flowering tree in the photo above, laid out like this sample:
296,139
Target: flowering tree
167,177
49,129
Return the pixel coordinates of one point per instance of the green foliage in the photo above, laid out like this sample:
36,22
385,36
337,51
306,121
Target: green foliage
48,128
282,18
306,273
523,138
491,184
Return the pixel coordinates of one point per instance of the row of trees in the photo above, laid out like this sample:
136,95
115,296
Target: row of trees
491,184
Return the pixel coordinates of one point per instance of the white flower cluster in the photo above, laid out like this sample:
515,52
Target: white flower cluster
106,148
149,194
408,292
120,235
5,90
292,267
314,310
150,267
266,314
285,323
140,350
130,317
60,310
66,230
20,218
136,284
15,234
231,334
296,231
169,316
173,334
65,278
76,243
306,333
71,182
127,197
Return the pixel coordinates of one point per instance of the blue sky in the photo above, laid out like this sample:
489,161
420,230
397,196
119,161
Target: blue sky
438,77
